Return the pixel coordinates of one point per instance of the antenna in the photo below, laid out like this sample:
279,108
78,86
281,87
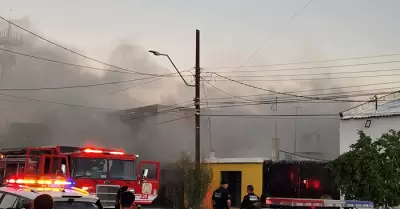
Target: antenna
8,39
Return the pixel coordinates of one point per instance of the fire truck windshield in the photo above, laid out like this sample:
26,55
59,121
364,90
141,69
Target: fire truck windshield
96,168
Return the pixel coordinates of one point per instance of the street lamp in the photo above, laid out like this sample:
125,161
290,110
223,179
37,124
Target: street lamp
156,53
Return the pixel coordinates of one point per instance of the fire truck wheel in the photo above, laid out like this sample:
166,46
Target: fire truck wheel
138,206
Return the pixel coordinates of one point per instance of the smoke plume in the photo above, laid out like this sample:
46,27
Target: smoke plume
150,137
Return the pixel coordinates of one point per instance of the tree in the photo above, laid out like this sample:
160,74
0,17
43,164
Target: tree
193,195
370,170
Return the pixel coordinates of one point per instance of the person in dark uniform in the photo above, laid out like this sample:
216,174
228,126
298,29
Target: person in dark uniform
119,194
221,198
251,200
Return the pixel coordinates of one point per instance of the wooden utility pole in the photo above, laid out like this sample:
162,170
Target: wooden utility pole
197,120
197,101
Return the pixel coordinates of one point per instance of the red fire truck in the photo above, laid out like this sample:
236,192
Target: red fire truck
98,171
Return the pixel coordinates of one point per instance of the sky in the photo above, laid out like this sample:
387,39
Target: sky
231,31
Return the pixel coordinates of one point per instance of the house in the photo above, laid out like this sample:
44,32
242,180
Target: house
159,132
374,118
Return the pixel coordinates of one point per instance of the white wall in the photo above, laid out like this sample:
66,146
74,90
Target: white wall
348,129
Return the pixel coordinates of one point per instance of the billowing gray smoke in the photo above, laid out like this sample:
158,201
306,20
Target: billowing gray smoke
149,137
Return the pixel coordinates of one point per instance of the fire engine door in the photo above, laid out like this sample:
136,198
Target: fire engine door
55,164
148,174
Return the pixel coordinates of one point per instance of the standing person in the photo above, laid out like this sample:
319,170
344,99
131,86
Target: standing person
251,200
221,198
127,200
118,198
43,201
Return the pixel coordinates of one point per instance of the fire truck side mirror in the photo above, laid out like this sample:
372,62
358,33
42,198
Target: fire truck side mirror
144,173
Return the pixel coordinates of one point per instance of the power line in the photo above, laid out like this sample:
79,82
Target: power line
311,90
164,111
64,63
261,115
59,103
309,74
273,34
330,95
74,52
76,86
127,88
309,79
286,102
12,101
272,91
304,156
290,100
130,87
227,92
306,62
76,65
176,119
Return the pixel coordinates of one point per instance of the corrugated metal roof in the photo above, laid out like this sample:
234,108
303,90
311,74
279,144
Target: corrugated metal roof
386,106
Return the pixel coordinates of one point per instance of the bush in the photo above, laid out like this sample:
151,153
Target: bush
192,186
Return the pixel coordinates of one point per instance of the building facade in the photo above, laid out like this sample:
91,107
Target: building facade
374,118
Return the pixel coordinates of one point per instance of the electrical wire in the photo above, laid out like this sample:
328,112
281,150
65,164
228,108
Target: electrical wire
176,119
77,65
312,90
227,92
310,68
59,103
164,111
272,91
330,95
72,87
127,88
130,87
307,62
309,74
283,102
287,118
290,100
309,79
77,53
303,156
64,63
288,115
274,33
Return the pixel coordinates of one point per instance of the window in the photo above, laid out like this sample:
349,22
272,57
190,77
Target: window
23,203
94,168
8,201
75,205
122,169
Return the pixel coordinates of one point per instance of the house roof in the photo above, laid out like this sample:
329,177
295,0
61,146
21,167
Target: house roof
151,110
385,106
236,160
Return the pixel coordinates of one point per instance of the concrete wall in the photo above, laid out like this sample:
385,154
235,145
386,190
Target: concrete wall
348,129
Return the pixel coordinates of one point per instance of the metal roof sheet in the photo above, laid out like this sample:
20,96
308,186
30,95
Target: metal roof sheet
386,106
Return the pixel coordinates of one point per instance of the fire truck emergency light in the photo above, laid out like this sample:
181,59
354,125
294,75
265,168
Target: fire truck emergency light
41,182
98,151
88,150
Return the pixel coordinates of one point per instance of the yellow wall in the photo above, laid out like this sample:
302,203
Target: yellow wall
251,174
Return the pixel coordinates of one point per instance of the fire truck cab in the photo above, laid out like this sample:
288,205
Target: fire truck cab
99,171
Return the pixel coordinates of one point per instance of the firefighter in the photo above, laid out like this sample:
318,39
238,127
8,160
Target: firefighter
221,198
251,200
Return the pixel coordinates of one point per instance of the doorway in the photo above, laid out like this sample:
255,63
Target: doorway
234,179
